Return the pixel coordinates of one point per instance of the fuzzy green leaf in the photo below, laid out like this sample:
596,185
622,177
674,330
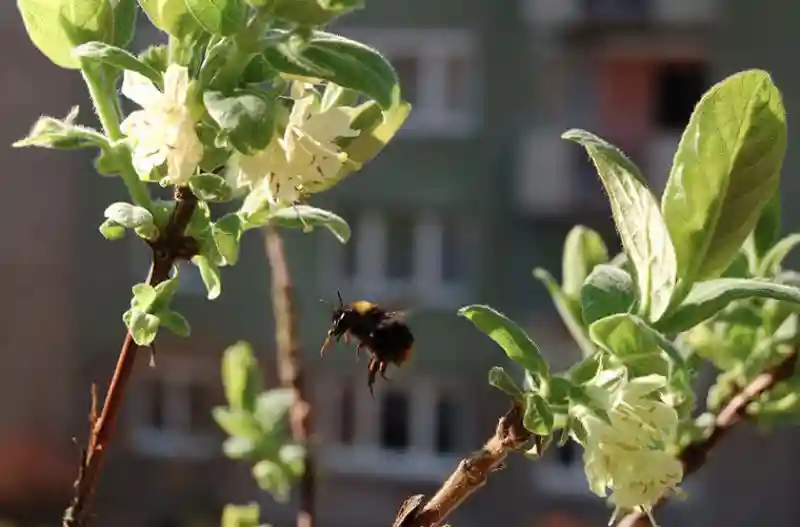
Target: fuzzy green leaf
345,62
219,17
508,335
639,222
241,377
708,298
727,167
245,119
307,218
607,290
119,58
583,250
503,382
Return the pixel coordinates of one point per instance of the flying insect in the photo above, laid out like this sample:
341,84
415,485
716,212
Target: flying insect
384,334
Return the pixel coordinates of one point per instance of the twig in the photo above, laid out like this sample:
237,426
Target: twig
694,456
471,474
290,368
171,245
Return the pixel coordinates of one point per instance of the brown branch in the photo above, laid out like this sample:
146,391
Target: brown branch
171,245
471,474
694,456
290,368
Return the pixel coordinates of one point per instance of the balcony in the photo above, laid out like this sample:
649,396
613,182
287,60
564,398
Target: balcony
566,13
555,178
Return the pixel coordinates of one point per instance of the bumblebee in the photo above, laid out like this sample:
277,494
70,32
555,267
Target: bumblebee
384,334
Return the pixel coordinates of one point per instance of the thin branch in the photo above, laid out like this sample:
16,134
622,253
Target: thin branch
471,474
170,246
290,368
694,456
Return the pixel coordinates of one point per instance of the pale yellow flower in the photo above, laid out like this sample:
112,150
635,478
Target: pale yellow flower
303,161
163,130
627,455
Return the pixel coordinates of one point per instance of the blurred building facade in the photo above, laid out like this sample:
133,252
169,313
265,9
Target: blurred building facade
474,192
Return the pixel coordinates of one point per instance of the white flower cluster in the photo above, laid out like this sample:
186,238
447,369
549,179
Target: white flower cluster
627,455
301,161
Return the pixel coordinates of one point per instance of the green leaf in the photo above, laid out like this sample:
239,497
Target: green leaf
142,326
768,227
773,259
271,477
503,382
125,17
227,233
538,417
345,62
209,272
628,338
112,230
218,17
708,298
608,290
272,407
586,370
143,297
307,218
293,458
236,422
641,227
171,16
116,57
62,134
210,187
241,377
236,447
583,251
311,12
166,290
57,26
175,322
570,311
374,134
246,120
515,342
726,168
129,216
241,515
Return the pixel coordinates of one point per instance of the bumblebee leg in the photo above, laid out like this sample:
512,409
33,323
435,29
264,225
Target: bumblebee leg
371,376
325,345
347,338
382,369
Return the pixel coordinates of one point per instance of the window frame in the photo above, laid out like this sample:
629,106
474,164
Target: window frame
426,286
432,47
176,375
365,456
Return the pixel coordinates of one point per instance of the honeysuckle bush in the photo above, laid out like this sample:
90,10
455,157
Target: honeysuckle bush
248,102
700,280
251,102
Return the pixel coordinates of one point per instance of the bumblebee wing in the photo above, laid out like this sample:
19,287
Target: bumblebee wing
401,314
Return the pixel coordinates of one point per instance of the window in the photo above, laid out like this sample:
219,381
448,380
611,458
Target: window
172,415
401,257
413,430
680,86
438,75
394,421
446,426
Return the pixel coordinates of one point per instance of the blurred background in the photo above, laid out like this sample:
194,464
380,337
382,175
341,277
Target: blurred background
476,191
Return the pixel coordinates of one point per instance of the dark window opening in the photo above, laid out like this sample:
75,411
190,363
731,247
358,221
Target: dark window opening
350,249
407,68
446,423
454,253
157,399
568,454
399,247
679,87
201,402
347,415
394,421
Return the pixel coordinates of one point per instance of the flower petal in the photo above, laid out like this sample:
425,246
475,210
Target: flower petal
176,84
140,89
